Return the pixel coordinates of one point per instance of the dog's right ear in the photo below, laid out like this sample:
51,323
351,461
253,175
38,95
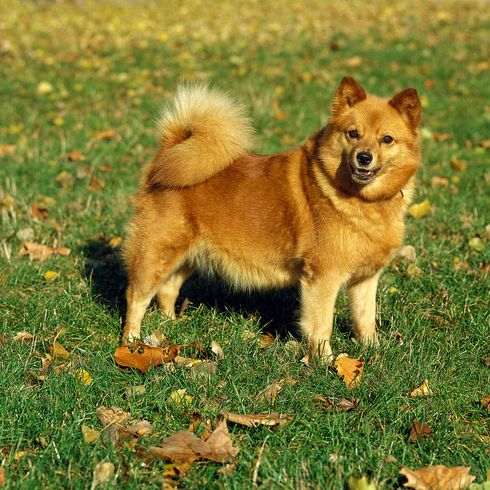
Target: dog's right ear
348,94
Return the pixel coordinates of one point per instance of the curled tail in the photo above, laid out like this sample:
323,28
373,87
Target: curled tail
202,131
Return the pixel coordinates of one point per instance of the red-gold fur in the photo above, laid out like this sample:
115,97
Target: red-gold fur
313,216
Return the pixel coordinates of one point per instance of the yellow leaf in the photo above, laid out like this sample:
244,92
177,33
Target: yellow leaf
115,241
392,290
44,88
58,351
476,244
419,210
58,121
84,377
458,164
180,397
51,275
362,483
423,390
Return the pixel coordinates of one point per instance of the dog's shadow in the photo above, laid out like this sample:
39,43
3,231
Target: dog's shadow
276,311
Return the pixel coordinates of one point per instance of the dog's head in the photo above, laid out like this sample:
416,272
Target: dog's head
374,141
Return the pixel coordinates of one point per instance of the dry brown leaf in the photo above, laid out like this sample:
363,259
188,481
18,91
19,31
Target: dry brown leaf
354,62
156,339
217,350
457,164
437,181
3,480
143,357
408,252
266,340
441,136
419,430
76,156
484,144
342,405
438,478
485,401
90,435
112,415
39,212
23,337
423,390
103,473
269,394
186,447
254,420
349,369
36,251
58,351
110,134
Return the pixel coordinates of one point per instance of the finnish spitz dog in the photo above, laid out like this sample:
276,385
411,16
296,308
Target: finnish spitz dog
325,215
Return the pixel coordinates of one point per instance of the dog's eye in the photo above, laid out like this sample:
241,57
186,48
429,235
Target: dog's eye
353,133
387,139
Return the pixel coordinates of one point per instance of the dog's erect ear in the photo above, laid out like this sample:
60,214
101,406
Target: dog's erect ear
348,94
407,103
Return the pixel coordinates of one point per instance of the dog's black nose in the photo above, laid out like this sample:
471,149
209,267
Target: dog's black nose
364,157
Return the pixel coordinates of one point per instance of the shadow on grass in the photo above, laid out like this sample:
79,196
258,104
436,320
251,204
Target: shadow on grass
277,310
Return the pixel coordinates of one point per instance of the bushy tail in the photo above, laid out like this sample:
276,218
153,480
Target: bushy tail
202,131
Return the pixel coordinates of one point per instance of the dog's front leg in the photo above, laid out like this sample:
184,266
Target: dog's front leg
317,307
362,301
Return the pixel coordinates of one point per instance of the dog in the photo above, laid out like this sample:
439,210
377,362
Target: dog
327,214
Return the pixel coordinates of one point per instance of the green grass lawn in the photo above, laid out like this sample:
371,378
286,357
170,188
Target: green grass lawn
81,84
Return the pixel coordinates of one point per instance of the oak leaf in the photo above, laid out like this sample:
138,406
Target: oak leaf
143,357
438,477
349,369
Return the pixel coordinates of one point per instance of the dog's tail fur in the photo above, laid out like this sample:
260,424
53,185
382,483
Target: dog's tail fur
202,131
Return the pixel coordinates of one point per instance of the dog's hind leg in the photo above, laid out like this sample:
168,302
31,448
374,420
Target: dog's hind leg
169,290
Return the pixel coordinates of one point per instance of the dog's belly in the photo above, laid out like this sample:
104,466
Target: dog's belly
243,269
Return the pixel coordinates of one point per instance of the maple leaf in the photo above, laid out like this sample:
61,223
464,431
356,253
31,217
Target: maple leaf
349,369
438,477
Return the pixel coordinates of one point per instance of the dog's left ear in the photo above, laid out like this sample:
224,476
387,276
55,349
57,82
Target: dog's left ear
348,94
407,103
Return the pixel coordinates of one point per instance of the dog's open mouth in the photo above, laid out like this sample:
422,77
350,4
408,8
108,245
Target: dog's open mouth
363,175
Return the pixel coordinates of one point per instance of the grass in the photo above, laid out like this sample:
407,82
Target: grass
109,67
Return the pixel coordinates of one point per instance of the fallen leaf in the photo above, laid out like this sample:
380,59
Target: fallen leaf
186,447
439,181
362,483
186,362
36,251
457,164
440,137
342,405
349,369
112,415
110,134
39,212
76,156
408,252
279,114
180,397
423,390
44,88
419,430
84,377
103,473
185,305
484,144
23,337
51,275
269,394
7,150
476,244
354,62
115,242
58,351
65,179
3,480
266,340
156,339
143,357
485,401
217,350
254,420
438,478
420,209
90,435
